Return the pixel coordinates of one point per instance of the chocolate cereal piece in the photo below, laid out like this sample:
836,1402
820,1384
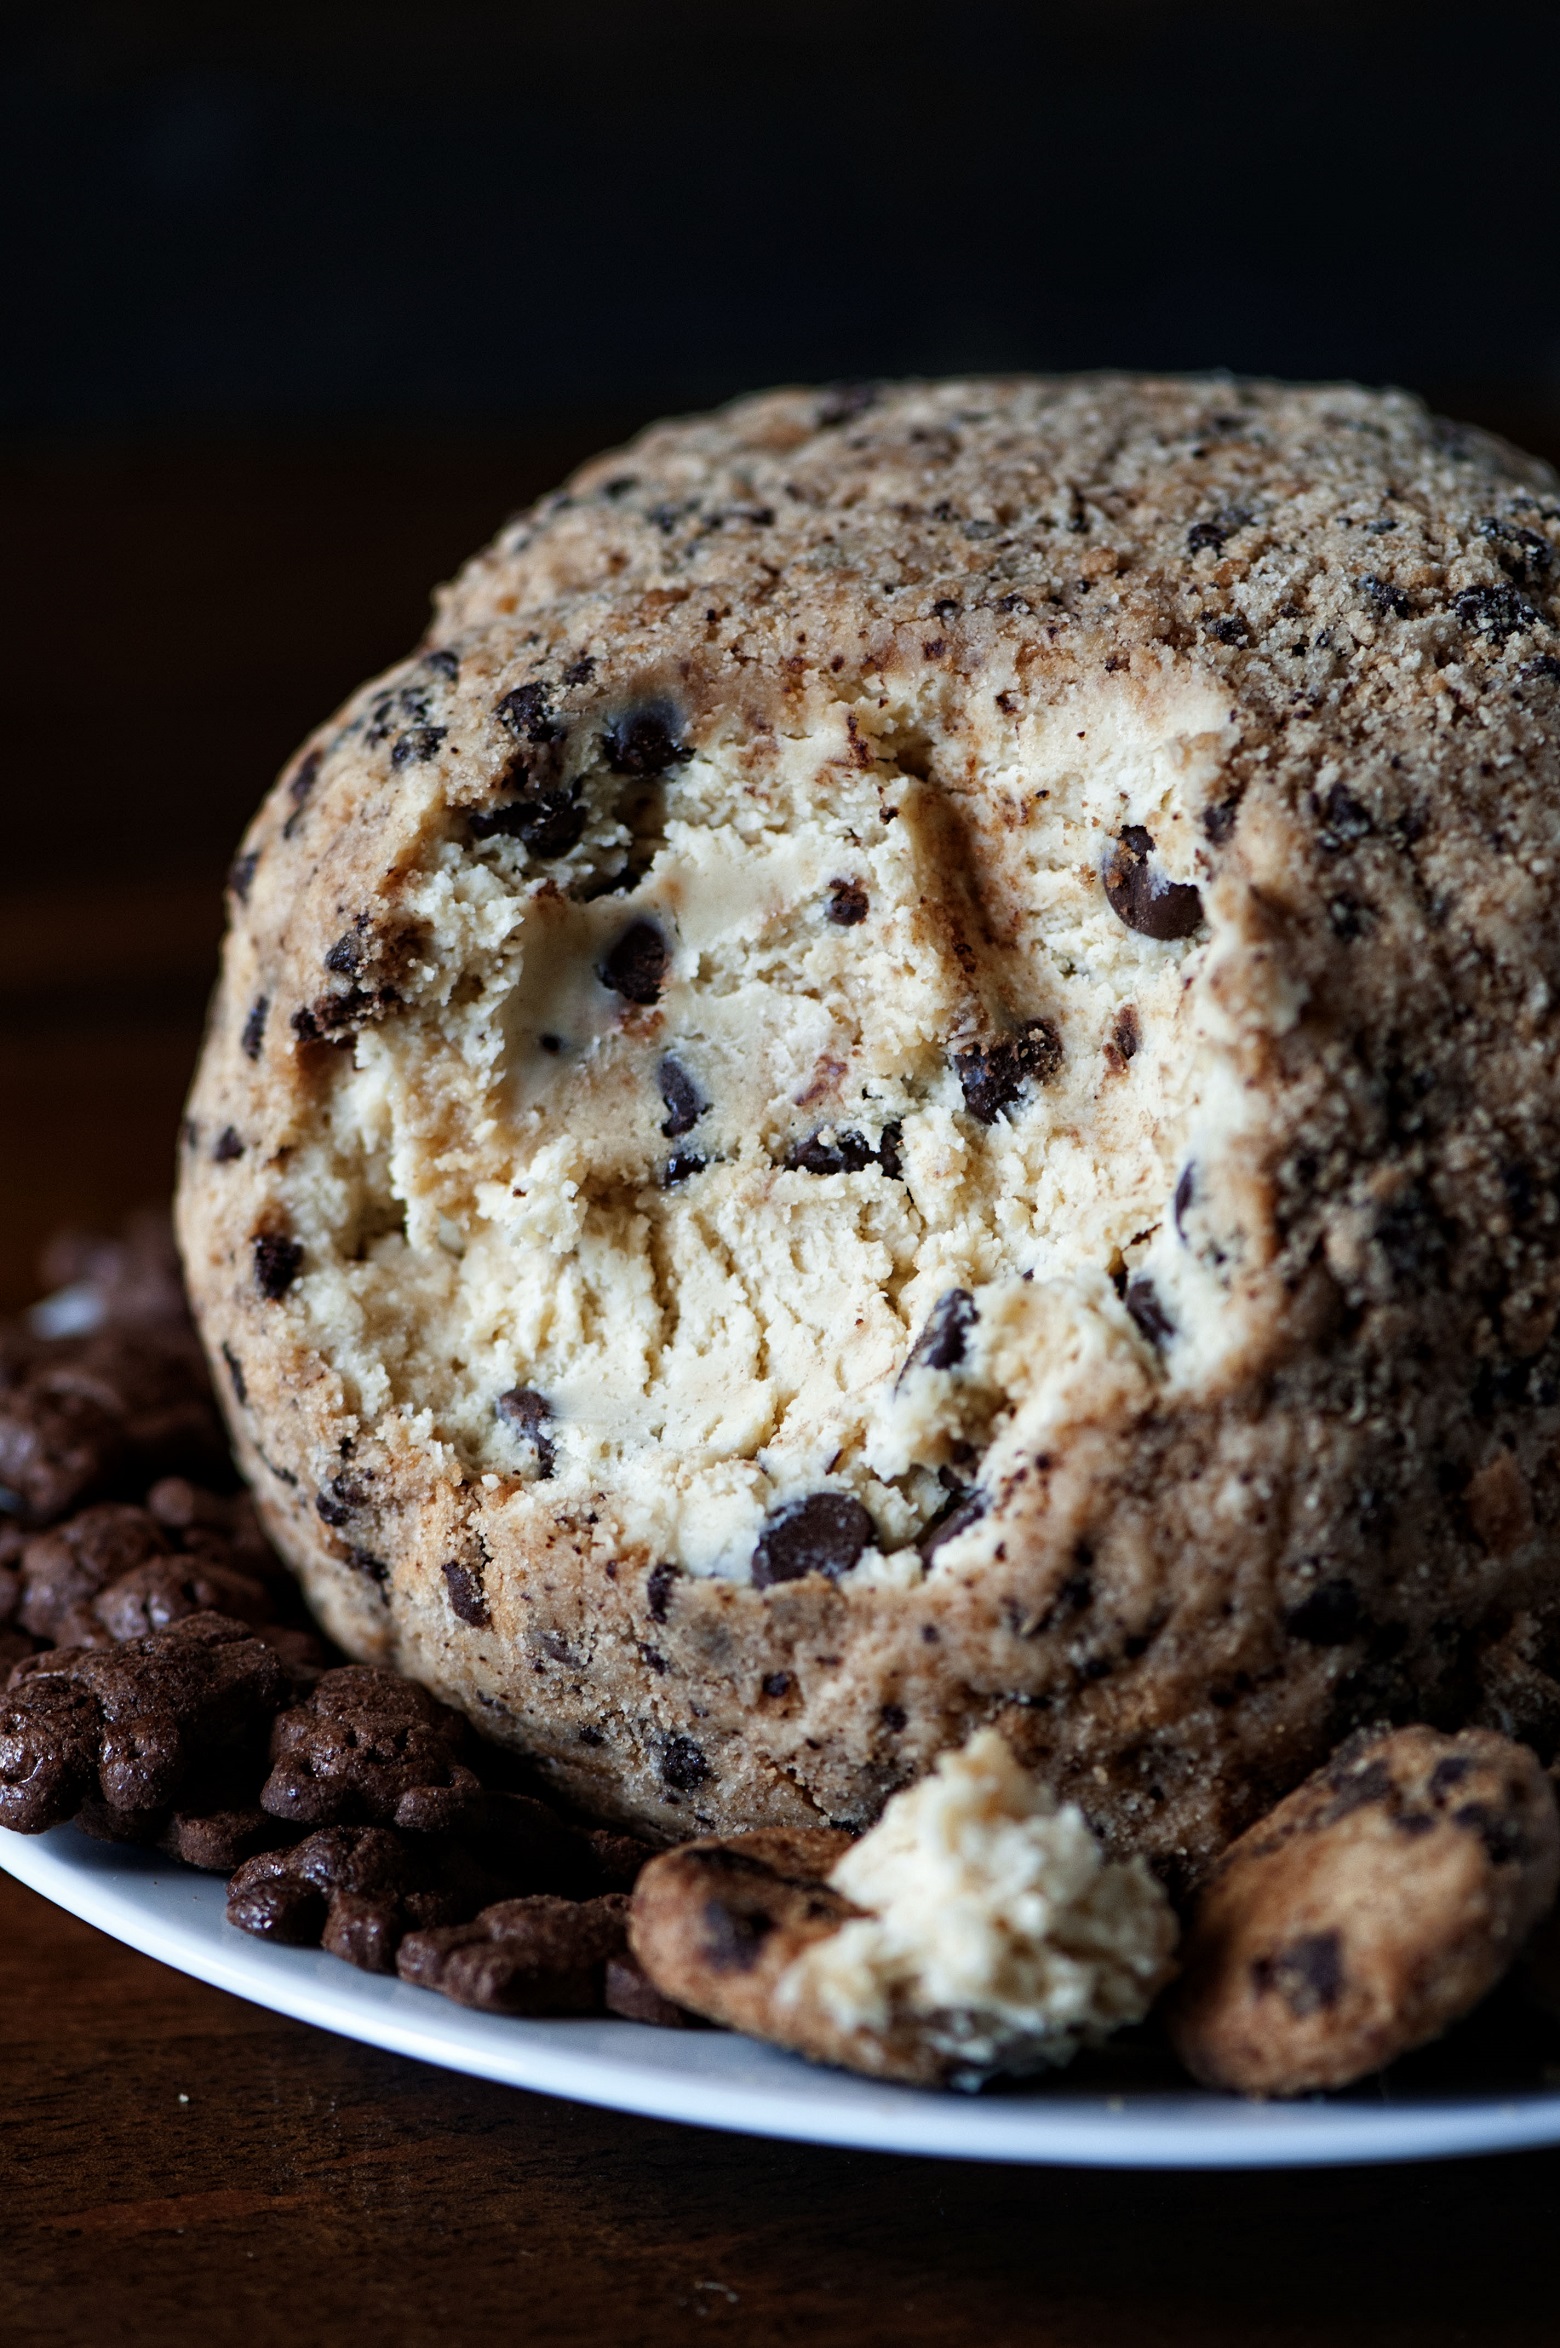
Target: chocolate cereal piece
354,1890
63,1570
1368,1912
135,1727
218,1840
630,1993
369,1748
527,1956
85,1415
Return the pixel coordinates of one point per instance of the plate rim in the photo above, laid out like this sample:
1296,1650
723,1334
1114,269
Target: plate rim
145,1902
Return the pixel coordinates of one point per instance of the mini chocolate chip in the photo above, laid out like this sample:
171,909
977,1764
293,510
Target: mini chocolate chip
888,1151
992,1076
1218,821
417,745
235,1373
468,1599
304,776
1498,612
338,1501
849,1152
580,672
776,1683
1543,668
1213,532
848,903
1329,1617
526,714
685,1104
645,741
1126,1035
1307,1975
548,824
528,1415
254,1027
241,873
1502,1838
636,966
825,1533
591,1736
1345,822
1146,1311
894,1716
278,1261
941,1344
679,1166
1140,895
1383,597
842,403
658,1589
683,1765
373,1569
227,1146
1185,1192
345,957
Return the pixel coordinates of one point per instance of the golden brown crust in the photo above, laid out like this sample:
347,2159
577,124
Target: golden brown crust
1373,1908
1177,1612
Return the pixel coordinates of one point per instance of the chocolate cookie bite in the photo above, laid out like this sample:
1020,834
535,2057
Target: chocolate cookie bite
937,1111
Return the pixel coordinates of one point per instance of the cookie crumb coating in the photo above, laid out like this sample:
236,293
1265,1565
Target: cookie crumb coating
905,1079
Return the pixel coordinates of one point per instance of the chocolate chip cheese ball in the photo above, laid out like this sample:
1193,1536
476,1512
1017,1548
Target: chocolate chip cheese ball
906,1079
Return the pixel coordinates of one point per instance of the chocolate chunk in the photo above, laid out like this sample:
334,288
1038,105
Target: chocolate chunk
547,823
468,1599
636,966
1497,612
68,1566
1383,597
529,1415
278,1261
633,1997
888,1151
525,1956
847,904
683,1765
1212,533
227,1146
527,714
254,1027
645,741
941,1344
369,1748
825,1533
417,745
241,873
849,1152
685,1104
1146,1311
679,1166
1140,895
658,1589
993,1076
1307,1975
136,1726
1329,1617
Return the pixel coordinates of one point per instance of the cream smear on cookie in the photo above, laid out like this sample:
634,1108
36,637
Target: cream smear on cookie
819,1122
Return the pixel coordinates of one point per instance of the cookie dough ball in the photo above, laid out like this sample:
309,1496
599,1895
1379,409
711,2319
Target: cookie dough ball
1374,1908
907,1079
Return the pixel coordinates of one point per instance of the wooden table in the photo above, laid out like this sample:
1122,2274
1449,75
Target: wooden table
178,2167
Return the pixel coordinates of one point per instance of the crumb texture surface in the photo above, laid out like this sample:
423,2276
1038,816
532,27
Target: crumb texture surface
905,1079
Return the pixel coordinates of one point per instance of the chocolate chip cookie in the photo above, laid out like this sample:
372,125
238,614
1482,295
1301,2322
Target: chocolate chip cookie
906,1077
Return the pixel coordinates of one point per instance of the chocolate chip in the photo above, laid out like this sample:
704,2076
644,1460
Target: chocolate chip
1146,1311
235,1371
548,824
468,1599
241,873
527,714
849,1152
1307,1974
1497,612
842,403
528,1415
278,1261
1140,895
226,1147
679,1166
993,1076
1329,1617
1218,527
961,1510
894,1717
825,1533
685,1104
941,1344
1345,822
1383,597
848,903
254,1027
645,741
339,1500
1126,1035
580,672
888,1151
636,966
683,1765
733,1938
658,1589
417,745
776,1683
1218,821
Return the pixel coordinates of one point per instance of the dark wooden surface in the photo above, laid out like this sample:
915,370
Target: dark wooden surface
176,622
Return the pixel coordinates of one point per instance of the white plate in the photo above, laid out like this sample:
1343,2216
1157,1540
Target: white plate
719,2081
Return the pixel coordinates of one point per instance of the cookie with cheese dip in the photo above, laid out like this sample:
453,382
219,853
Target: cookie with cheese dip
904,1079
